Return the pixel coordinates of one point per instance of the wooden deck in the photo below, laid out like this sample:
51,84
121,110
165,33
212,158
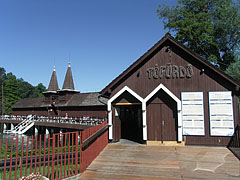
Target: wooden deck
163,163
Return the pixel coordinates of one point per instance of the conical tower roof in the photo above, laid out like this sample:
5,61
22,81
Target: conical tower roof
68,81
53,84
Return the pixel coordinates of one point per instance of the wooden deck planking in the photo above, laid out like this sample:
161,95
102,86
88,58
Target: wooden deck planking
163,163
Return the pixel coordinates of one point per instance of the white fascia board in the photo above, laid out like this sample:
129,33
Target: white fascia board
122,91
161,86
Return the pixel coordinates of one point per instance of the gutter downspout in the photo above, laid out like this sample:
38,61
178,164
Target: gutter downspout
99,99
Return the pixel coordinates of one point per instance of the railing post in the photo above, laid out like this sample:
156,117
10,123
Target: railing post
58,136
26,156
16,159
10,170
44,153
49,138
40,149
31,156
61,155
53,156
5,162
76,152
35,169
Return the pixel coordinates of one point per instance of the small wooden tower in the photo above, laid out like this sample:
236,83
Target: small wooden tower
67,90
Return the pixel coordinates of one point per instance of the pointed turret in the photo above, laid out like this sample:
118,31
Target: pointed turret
53,84
68,81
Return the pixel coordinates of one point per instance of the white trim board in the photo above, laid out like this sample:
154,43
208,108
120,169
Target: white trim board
179,106
109,108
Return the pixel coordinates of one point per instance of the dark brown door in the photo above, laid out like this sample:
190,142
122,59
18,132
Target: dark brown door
168,118
116,127
154,122
162,118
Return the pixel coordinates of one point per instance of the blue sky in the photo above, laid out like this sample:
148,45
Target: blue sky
101,38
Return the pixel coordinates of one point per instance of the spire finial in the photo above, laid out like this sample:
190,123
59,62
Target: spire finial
69,63
54,69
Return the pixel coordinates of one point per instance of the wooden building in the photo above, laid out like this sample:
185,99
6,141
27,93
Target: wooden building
62,102
170,94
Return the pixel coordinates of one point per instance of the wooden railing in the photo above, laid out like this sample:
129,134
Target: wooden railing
58,156
234,143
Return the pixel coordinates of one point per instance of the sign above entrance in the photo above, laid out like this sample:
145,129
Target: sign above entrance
170,71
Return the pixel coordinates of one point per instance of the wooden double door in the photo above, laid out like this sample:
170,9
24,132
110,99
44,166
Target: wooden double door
162,118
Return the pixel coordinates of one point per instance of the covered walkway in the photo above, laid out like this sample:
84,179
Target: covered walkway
123,161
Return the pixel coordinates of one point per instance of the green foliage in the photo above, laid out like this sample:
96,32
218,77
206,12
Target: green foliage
210,28
2,78
10,92
234,70
15,89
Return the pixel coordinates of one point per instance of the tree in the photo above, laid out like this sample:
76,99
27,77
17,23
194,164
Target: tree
210,28
2,78
234,69
15,89
10,92
25,89
38,90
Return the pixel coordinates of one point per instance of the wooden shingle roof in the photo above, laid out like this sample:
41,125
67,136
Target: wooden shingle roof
53,85
77,100
68,81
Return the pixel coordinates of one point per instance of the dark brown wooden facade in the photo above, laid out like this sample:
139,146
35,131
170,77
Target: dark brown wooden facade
196,75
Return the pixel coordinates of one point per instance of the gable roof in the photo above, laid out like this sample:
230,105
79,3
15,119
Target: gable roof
152,50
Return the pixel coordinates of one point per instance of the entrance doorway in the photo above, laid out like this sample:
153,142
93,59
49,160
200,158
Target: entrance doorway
129,123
